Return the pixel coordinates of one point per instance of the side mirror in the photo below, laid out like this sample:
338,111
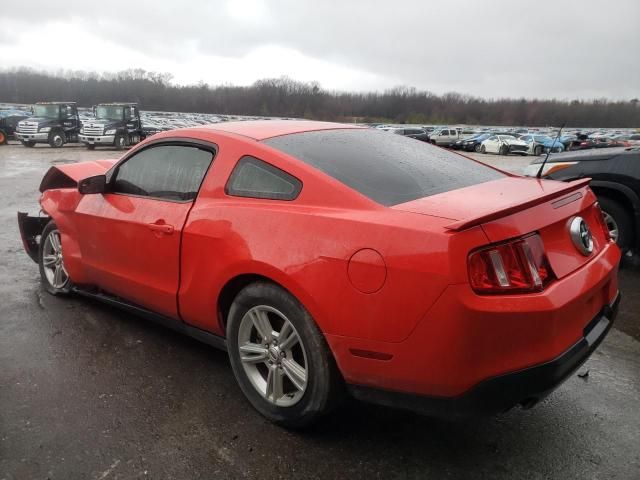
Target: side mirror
95,184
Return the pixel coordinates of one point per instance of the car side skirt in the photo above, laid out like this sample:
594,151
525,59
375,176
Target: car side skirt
498,394
168,322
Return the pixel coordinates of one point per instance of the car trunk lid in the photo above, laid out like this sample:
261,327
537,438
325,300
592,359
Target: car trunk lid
515,206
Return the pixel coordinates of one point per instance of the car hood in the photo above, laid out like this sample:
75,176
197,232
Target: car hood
105,124
68,176
40,120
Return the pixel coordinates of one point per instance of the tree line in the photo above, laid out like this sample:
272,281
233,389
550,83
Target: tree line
284,97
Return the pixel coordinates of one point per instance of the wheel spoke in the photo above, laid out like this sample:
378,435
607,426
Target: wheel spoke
261,321
57,276
289,341
49,260
274,384
296,373
253,353
55,242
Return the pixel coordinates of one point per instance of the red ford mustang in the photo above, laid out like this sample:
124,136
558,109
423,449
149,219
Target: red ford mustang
326,257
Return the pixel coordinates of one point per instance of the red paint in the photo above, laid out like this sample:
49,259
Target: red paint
332,244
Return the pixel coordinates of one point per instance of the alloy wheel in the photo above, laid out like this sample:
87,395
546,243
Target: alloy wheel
612,225
273,356
52,261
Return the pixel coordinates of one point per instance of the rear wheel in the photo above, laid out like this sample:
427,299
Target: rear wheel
619,222
279,356
57,139
53,274
28,144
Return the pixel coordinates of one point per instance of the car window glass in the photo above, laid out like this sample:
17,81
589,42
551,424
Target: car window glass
171,172
389,169
254,178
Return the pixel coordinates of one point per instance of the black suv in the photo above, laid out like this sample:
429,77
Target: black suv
615,174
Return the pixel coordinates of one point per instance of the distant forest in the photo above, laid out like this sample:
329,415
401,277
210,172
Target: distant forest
284,97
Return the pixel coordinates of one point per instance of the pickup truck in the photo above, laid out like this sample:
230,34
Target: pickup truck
115,124
55,123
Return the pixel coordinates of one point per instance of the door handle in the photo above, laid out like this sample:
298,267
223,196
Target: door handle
161,227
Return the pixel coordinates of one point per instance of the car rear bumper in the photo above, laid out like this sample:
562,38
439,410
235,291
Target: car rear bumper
524,387
97,139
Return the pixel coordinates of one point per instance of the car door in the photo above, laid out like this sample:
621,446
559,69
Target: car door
490,144
130,236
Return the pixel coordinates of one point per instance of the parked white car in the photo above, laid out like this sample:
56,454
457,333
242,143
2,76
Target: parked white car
504,145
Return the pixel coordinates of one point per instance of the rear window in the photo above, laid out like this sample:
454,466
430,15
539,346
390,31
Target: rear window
389,169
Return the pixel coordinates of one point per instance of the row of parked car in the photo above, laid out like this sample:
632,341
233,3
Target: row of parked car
522,142
58,123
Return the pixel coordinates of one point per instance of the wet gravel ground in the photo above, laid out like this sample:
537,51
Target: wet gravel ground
89,392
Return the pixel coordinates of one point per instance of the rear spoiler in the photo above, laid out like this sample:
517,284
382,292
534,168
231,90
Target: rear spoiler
509,209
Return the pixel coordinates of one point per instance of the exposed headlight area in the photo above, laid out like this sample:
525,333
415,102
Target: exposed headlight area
44,129
110,132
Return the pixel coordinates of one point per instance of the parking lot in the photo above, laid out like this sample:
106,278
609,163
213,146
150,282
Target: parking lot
90,392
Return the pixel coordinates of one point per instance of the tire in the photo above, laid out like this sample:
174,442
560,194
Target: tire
537,150
477,148
54,277
483,149
504,150
3,138
305,372
91,146
57,139
619,221
28,144
120,141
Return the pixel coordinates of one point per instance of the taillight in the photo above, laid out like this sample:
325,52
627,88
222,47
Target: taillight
518,266
602,221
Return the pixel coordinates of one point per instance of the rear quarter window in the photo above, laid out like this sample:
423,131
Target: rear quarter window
254,178
388,169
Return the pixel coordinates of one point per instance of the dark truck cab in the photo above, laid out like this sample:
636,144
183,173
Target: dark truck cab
8,123
55,123
114,124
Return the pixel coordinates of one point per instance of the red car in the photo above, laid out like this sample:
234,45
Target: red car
325,258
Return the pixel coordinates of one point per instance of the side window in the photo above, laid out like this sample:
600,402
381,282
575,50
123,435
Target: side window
168,172
257,179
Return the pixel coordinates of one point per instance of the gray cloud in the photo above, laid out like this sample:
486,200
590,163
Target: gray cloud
495,48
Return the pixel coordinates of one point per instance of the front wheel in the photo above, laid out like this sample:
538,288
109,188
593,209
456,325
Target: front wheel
538,150
53,274
483,149
279,356
57,139
3,137
504,150
477,148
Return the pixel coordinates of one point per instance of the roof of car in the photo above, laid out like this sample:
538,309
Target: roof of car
263,129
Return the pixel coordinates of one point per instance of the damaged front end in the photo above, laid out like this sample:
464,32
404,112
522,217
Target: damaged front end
30,230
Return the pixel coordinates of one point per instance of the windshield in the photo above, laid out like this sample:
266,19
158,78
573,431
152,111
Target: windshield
109,113
543,138
46,111
389,169
506,137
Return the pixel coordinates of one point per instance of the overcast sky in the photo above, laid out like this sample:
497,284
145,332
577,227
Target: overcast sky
491,48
